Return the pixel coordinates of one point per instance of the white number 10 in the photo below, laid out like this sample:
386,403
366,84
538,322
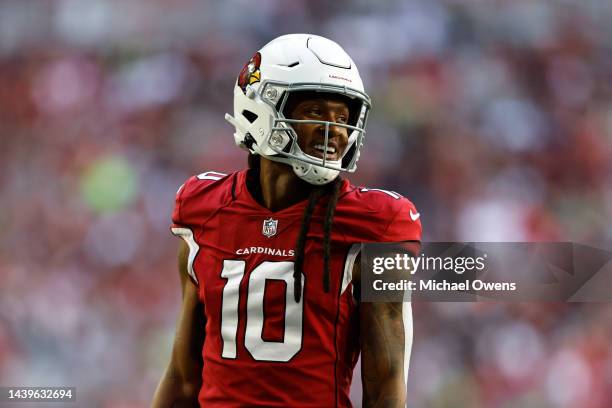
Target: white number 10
259,348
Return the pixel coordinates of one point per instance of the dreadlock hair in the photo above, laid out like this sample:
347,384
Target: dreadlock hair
254,161
333,189
316,194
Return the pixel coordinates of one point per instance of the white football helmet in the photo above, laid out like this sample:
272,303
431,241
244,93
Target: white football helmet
293,63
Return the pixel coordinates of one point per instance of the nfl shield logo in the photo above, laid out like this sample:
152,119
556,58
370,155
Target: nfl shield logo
269,227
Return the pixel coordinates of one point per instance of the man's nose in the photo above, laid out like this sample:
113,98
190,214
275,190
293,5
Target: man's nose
334,130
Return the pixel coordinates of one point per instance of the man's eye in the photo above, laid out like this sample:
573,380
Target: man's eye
314,111
341,119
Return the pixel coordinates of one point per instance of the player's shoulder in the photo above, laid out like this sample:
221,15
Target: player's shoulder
379,214
381,202
202,194
204,183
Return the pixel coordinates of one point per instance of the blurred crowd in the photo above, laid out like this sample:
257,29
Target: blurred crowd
493,117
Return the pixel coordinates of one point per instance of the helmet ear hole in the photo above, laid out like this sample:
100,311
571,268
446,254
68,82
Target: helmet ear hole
250,116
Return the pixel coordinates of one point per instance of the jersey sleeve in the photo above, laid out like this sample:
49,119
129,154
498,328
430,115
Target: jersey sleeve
376,215
181,228
405,224
190,209
198,197
177,221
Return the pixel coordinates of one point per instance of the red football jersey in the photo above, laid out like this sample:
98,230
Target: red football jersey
262,348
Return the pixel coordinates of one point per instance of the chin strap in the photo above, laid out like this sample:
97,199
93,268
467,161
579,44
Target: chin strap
313,174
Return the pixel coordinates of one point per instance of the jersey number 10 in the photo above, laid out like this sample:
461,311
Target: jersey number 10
259,348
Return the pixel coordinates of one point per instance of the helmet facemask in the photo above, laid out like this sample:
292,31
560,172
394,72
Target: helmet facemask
283,138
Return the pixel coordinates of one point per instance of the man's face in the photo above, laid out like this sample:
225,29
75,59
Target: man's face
311,137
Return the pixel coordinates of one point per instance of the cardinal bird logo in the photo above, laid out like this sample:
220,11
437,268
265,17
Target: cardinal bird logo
250,73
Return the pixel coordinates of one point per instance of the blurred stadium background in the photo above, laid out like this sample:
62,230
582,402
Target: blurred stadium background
494,117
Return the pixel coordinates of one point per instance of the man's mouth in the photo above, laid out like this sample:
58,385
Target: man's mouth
320,151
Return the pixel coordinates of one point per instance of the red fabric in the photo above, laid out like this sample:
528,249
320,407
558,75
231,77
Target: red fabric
227,222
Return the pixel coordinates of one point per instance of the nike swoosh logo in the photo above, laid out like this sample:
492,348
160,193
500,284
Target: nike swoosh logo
414,216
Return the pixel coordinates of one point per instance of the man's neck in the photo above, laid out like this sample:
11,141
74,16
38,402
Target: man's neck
279,186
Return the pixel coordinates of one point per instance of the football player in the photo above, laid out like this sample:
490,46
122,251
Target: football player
269,261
